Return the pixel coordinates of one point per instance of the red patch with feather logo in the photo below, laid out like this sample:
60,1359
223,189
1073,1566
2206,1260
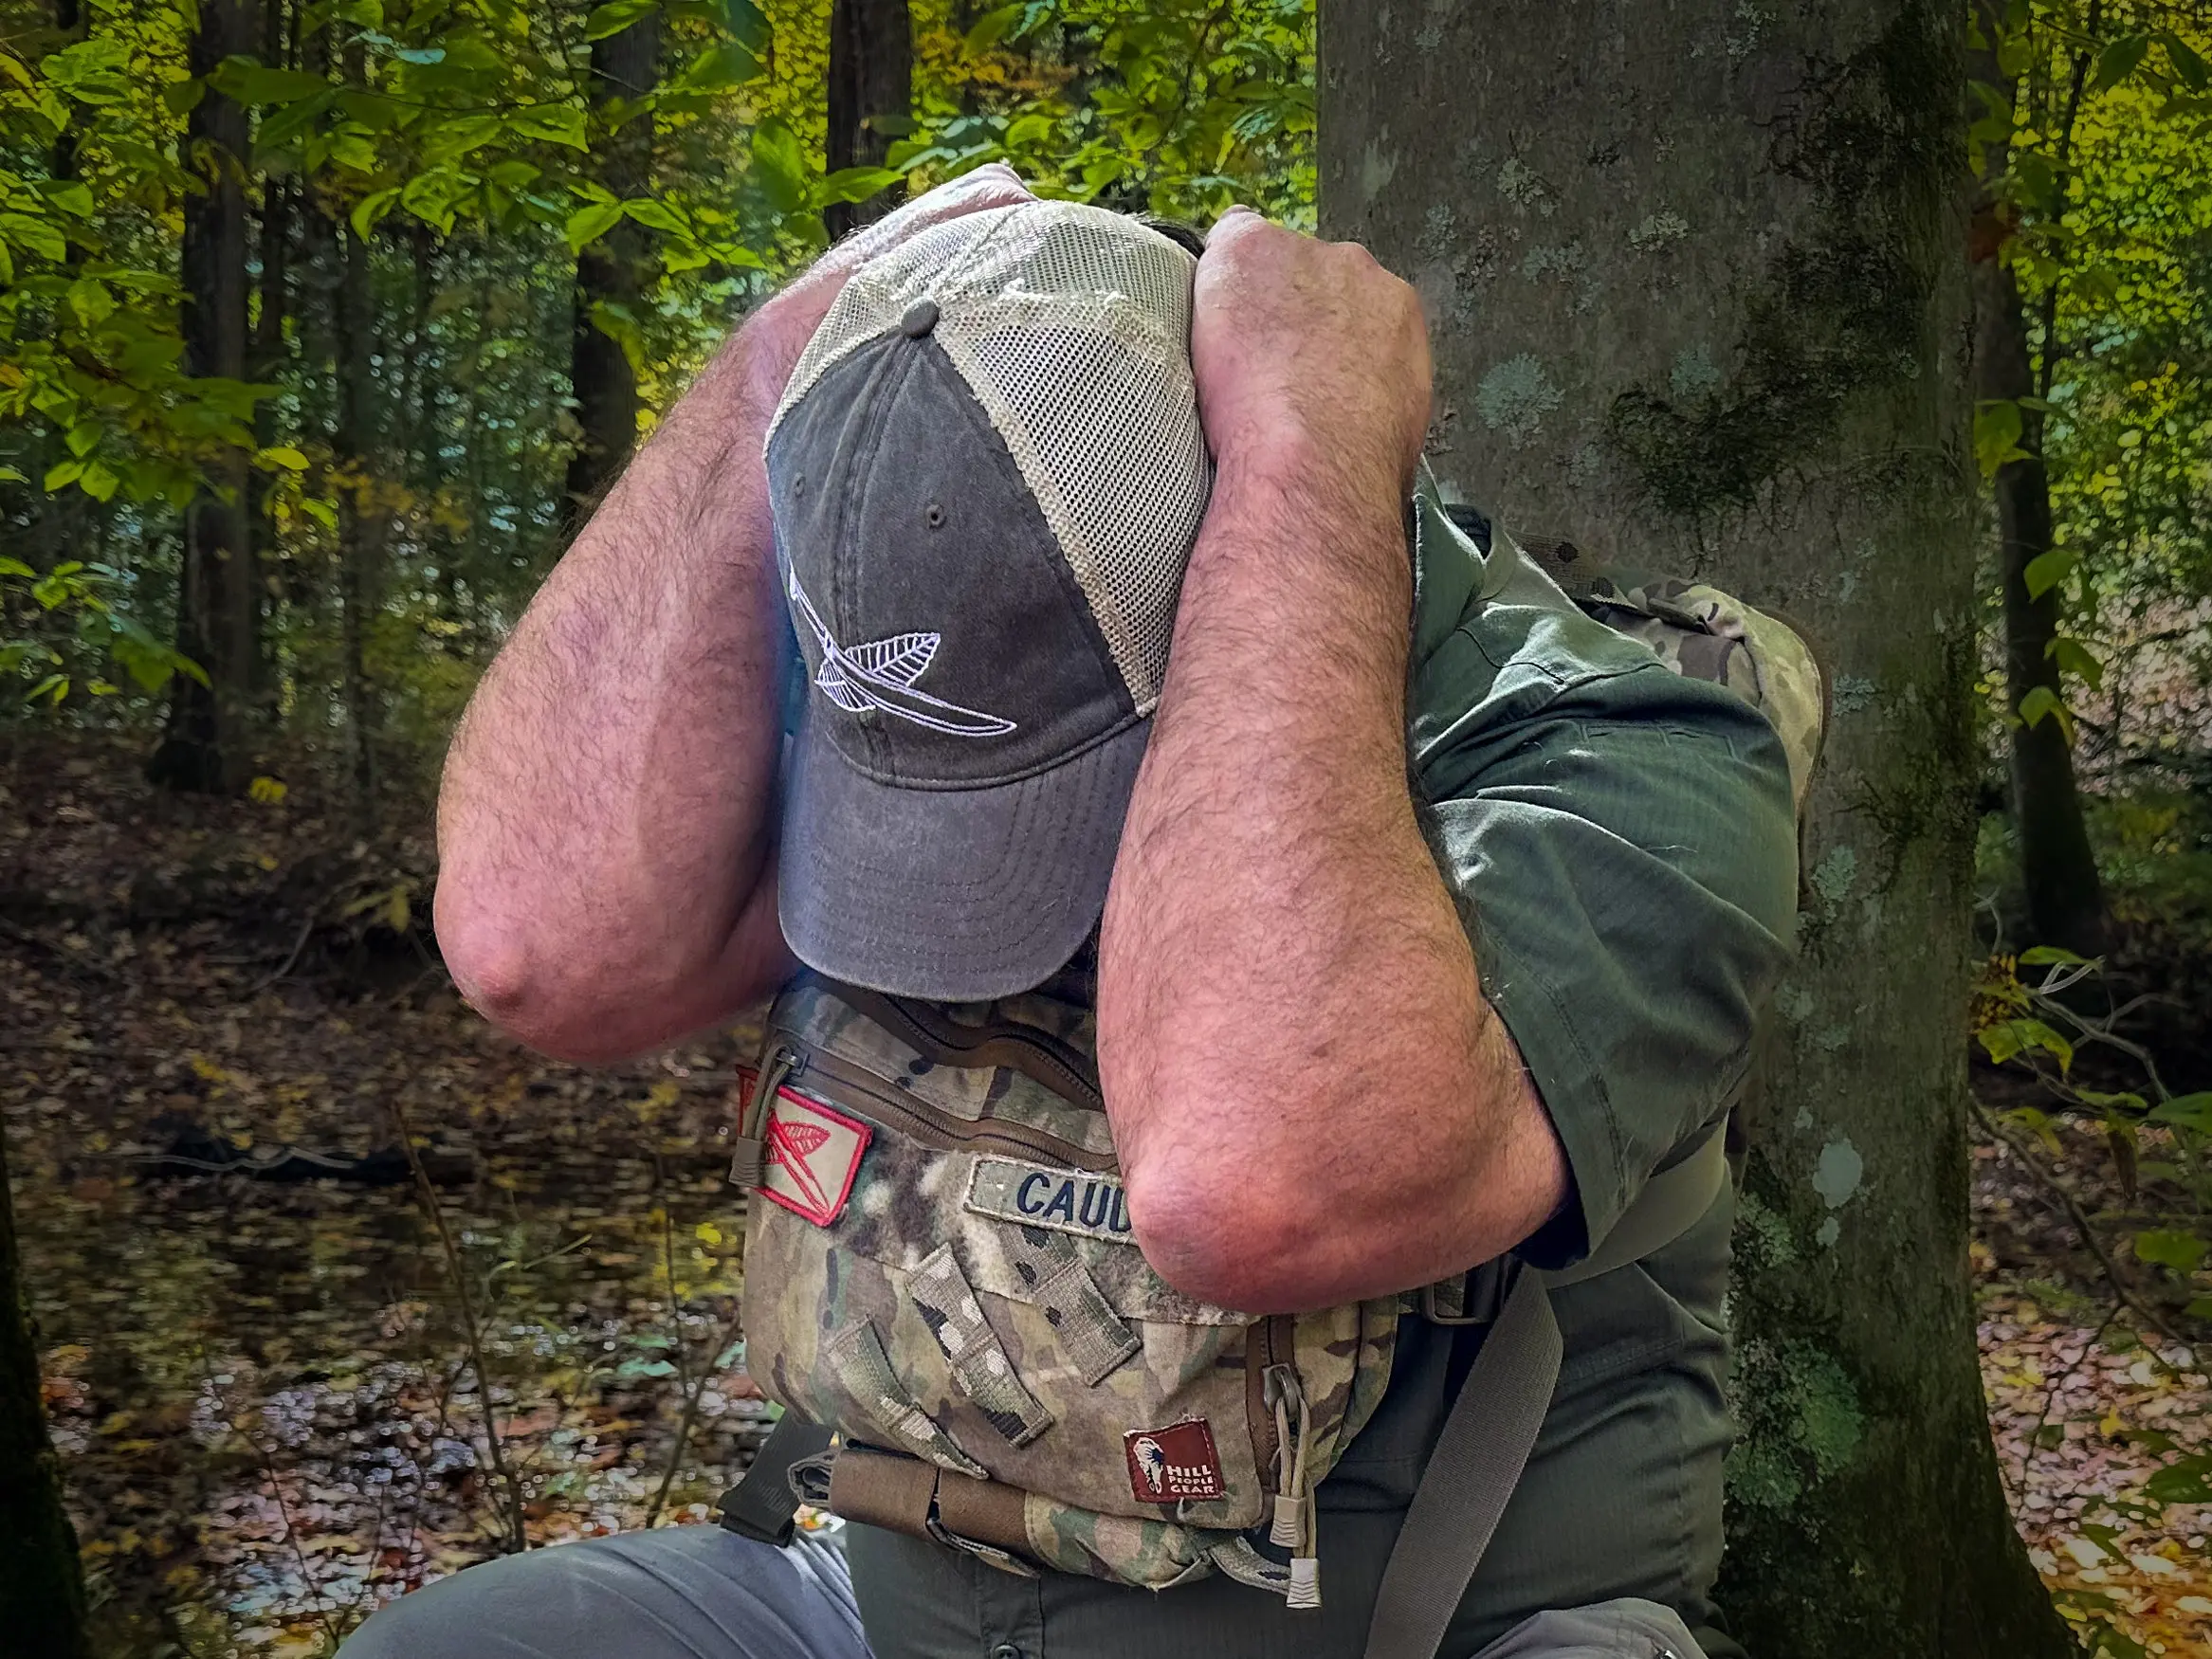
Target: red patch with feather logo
812,1158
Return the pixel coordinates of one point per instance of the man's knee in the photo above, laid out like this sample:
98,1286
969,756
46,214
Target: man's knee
676,1593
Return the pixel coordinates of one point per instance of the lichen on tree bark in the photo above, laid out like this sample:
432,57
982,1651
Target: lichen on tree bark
1695,276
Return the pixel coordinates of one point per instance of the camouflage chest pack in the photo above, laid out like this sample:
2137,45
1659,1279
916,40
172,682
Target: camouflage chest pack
943,1291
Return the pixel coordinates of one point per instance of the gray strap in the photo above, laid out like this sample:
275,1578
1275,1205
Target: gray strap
1471,1474
1493,1424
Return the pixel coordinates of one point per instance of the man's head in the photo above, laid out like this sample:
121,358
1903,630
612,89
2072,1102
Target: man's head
986,475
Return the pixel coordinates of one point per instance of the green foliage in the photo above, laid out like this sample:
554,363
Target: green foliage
2101,135
1177,108
85,630
465,149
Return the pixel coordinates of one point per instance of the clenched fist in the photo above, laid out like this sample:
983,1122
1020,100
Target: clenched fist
1308,355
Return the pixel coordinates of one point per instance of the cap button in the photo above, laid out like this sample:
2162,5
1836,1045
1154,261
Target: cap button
921,317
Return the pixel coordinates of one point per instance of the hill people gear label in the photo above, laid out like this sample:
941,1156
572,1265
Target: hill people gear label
1168,1465
812,1156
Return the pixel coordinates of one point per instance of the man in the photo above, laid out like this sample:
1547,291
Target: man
1421,944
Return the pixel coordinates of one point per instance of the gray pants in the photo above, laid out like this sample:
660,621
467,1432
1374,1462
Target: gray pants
702,1593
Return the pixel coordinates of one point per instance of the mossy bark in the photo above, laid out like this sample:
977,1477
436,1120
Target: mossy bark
1695,276
42,1589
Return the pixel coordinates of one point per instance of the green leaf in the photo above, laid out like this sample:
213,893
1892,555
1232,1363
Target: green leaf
2169,1247
748,24
591,222
53,689
2042,701
2192,1112
369,208
15,567
656,215
1997,430
616,16
2076,658
2189,68
180,98
61,474
720,67
990,29
34,234
2047,570
2034,182
2009,1039
91,302
71,197
259,84
781,167
82,438
281,455
2189,1481
555,123
2051,957
2118,60
99,481
856,184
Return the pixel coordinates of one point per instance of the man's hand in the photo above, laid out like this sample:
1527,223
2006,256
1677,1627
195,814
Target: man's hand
1311,1100
607,828
1309,352
782,327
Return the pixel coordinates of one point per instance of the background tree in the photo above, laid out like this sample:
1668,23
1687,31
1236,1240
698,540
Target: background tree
41,1590
871,98
610,271
1698,298
218,609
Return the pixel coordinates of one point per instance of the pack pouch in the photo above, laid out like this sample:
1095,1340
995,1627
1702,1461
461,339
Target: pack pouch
941,1268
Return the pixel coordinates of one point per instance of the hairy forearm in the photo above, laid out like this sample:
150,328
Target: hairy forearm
606,827
1291,1030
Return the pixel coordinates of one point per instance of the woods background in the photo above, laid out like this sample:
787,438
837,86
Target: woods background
322,326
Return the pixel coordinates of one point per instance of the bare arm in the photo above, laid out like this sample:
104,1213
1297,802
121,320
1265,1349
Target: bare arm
1312,1098
606,829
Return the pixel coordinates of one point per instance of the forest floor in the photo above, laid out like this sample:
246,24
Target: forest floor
265,1373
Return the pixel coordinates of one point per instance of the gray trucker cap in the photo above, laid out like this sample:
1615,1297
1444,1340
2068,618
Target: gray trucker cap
986,475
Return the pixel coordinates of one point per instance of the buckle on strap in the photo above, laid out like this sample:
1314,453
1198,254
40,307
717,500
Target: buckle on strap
763,1505
1481,1294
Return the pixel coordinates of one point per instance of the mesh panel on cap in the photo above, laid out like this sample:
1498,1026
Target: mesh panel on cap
1071,325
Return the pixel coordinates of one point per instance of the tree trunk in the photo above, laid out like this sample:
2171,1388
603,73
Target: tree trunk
610,271
42,1587
210,732
1694,276
2065,898
364,513
270,351
2058,873
871,91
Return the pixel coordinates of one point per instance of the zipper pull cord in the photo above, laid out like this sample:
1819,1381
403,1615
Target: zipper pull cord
747,1157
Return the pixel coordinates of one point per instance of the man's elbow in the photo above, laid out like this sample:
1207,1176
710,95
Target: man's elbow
529,986
1232,1239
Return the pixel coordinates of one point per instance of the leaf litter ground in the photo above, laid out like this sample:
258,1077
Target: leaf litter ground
265,1389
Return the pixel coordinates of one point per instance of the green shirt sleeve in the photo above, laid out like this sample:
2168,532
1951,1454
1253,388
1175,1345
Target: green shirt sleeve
1621,845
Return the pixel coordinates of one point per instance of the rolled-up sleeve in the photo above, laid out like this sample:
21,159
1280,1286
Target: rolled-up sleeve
1622,848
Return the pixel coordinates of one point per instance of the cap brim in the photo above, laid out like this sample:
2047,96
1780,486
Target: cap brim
952,895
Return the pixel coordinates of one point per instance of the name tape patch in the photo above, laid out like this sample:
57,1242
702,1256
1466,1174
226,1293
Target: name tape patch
1169,1465
812,1156
1077,1201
